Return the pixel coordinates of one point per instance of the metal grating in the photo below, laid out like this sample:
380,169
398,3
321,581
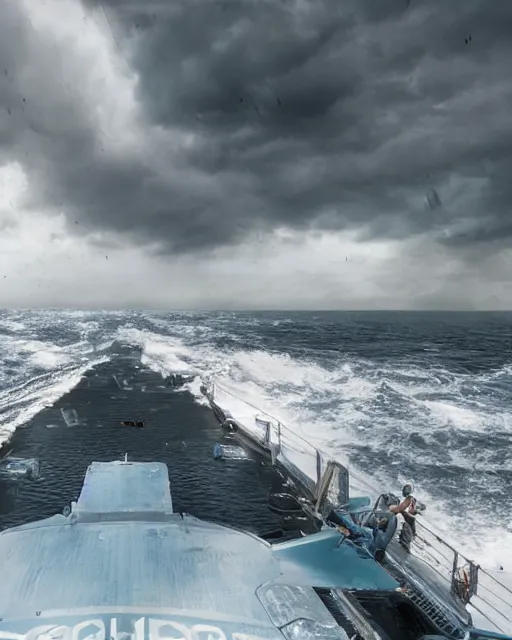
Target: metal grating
433,611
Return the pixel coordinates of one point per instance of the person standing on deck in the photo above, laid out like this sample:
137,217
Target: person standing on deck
408,507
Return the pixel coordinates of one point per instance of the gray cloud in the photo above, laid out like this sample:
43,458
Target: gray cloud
322,114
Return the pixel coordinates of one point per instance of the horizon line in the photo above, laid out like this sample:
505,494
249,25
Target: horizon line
247,310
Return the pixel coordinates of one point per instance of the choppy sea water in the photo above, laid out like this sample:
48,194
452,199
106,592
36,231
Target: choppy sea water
421,396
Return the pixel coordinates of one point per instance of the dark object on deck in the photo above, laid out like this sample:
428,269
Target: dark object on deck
285,504
178,379
229,426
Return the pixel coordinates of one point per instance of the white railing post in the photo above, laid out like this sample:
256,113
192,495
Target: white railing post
267,434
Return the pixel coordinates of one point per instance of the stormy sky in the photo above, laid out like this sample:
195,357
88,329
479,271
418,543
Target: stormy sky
256,154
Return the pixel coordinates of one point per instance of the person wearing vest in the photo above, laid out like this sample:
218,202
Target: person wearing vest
408,509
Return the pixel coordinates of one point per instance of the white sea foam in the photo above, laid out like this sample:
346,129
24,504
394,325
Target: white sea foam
339,409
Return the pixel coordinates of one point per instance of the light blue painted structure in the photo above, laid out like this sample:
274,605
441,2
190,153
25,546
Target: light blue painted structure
122,562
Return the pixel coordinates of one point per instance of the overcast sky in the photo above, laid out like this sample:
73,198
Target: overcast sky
256,153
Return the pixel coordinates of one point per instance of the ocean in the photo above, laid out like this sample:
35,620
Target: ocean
395,395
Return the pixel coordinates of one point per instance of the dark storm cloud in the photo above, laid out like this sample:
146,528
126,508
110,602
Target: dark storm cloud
319,113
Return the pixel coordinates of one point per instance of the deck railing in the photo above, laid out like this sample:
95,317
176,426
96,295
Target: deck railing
486,593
